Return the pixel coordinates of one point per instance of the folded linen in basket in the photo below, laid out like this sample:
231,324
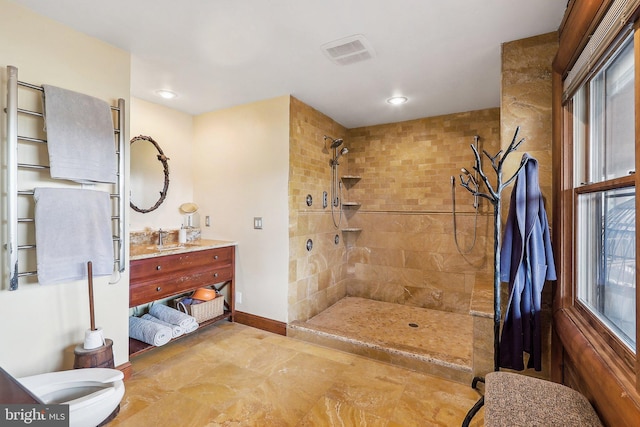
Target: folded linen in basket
150,332
171,315
176,330
80,136
73,226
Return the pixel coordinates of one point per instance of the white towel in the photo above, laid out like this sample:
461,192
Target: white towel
176,330
149,332
73,226
191,327
171,315
80,136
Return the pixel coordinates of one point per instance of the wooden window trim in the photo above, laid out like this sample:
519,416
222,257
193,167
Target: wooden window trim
610,382
611,184
603,379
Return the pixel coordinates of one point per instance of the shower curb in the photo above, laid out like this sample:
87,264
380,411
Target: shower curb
416,362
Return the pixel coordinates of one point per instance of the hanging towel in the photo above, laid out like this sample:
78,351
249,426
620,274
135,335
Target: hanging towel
73,226
171,315
526,261
149,332
176,330
80,136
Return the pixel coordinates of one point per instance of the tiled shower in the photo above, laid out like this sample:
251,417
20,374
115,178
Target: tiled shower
405,252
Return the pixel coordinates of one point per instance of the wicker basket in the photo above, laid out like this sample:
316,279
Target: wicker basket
203,311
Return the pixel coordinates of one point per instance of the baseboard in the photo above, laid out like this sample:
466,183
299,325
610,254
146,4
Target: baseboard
263,323
127,370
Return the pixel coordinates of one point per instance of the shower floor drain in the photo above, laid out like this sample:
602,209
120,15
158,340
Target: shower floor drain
413,325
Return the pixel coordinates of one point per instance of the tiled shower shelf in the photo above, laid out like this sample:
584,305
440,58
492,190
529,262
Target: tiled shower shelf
351,177
351,230
350,204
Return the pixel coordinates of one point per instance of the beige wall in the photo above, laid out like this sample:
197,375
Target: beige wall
173,131
316,277
241,171
43,324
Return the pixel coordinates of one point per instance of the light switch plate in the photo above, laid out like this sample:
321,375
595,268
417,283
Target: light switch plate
257,222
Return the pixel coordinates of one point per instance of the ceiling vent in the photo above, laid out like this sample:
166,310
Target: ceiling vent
349,50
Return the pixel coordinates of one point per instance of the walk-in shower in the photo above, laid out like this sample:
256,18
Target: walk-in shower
472,181
336,184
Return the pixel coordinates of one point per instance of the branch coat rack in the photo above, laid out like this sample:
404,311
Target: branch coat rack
493,194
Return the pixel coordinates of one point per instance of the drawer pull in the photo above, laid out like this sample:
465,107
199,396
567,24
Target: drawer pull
158,289
158,267
215,257
215,274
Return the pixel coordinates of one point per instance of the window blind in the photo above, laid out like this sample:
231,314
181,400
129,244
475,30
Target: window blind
613,29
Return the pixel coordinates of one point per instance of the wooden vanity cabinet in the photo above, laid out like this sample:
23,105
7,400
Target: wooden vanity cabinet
165,276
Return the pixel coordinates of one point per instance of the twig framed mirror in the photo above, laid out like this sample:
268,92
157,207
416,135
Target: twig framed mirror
147,174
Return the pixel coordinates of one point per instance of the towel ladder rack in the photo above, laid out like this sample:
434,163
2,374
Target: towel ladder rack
12,246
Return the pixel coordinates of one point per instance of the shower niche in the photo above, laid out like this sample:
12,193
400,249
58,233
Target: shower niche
350,206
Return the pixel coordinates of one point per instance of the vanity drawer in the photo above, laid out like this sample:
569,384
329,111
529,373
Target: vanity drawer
151,268
151,290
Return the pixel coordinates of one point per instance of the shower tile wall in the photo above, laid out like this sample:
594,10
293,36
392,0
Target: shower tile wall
316,277
406,251
526,102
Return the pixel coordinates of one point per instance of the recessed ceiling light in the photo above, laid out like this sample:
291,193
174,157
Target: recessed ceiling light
397,100
166,94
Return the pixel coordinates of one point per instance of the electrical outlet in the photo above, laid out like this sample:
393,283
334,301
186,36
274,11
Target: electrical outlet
207,221
238,297
257,222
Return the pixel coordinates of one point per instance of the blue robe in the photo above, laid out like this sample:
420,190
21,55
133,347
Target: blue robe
526,262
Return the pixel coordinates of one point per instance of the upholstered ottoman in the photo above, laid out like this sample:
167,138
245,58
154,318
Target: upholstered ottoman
517,400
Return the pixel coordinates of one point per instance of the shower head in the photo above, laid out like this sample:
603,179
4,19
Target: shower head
335,143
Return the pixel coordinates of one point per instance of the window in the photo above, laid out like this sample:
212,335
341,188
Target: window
604,195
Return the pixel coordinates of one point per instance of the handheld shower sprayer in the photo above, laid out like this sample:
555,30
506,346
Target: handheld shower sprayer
470,182
473,179
470,177
336,185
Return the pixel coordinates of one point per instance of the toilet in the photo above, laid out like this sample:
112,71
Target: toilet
91,393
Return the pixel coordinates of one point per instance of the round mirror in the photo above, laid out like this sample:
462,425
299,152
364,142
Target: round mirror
149,172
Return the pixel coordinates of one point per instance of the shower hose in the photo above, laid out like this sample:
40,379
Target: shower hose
455,227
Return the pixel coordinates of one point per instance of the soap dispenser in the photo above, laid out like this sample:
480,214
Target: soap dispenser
182,235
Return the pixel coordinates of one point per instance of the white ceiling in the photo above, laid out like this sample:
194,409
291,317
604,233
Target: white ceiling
442,54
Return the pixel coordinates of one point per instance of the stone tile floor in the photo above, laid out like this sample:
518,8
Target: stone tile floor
234,375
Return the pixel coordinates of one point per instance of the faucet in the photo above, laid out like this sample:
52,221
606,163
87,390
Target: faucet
160,233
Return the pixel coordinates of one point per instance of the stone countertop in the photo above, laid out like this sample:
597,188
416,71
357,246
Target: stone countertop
151,251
